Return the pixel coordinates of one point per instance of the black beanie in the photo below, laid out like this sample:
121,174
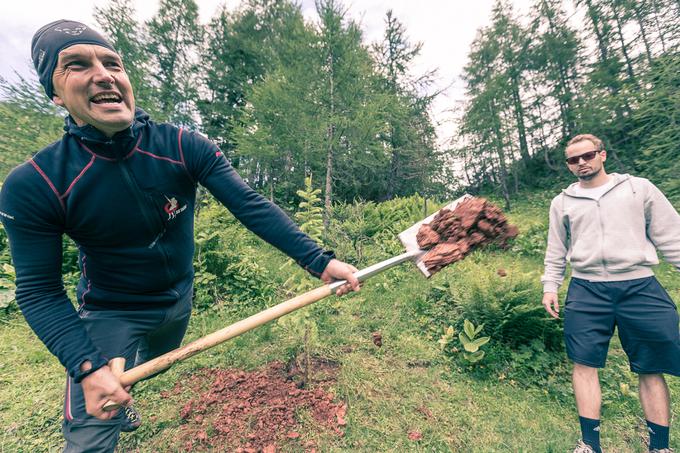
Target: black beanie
55,37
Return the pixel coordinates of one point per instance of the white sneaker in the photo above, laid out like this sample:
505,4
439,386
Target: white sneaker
582,447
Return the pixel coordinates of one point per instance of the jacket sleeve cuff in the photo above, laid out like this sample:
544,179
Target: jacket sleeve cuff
550,287
319,264
97,362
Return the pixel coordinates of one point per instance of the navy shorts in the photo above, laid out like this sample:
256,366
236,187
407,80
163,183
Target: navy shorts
646,317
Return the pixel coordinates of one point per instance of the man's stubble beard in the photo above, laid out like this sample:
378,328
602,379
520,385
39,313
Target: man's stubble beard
589,176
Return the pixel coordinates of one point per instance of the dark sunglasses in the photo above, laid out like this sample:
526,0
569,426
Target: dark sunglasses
590,155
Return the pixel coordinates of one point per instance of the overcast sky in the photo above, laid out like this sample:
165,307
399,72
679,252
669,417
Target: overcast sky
445,27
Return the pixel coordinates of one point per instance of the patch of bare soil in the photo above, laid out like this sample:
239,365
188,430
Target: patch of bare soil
256,411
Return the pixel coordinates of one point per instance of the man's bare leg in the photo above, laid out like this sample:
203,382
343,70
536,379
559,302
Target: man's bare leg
588,395
656,404
587,391
655,398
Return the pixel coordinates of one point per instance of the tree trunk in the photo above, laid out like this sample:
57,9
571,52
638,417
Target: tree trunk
564,90
503,172
629,65
602,47
200,194
168,101
271,184
394,164
548,162
503,179
307,374
658,26
328,199
466,172
612,84
643,32
612,152
519,118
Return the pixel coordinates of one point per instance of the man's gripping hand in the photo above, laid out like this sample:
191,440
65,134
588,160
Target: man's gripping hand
100,387
337,270
551,304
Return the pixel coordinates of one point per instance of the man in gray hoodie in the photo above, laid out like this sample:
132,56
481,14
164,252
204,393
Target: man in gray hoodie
609,228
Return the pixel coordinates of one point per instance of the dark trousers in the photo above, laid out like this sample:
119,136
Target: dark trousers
136,335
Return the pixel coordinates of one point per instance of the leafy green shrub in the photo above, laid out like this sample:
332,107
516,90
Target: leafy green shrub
70,268
509,307
7,275
532,242
469,340
527,344
359,230
7,288
228,264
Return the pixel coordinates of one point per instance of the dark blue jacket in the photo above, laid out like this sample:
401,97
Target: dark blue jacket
128,203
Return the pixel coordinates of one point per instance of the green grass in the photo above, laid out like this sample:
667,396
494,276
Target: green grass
406,385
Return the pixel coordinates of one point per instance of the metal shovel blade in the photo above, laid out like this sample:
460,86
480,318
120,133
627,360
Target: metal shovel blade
408,236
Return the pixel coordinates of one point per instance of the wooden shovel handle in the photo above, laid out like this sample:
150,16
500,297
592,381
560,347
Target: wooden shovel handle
117,366
166,360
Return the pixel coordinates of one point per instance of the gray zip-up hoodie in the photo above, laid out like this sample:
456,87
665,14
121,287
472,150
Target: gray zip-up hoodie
611,239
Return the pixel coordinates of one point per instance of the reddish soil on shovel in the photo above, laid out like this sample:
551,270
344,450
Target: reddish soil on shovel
257,411
454,234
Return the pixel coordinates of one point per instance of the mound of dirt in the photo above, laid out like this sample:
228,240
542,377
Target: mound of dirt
454,234
251,412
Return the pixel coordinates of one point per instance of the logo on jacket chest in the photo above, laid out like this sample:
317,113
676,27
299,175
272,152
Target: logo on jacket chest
172,208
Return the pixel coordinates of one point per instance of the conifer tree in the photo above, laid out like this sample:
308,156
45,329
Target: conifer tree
117,21
175,37
408,135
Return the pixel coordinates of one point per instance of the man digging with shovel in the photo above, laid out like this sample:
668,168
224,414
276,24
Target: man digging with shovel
123,188
609,227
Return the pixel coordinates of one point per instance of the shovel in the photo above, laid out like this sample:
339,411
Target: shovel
165,361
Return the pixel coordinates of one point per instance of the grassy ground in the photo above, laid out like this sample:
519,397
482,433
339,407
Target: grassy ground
406,385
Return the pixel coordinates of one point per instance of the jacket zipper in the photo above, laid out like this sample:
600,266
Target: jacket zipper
599,217
136,191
